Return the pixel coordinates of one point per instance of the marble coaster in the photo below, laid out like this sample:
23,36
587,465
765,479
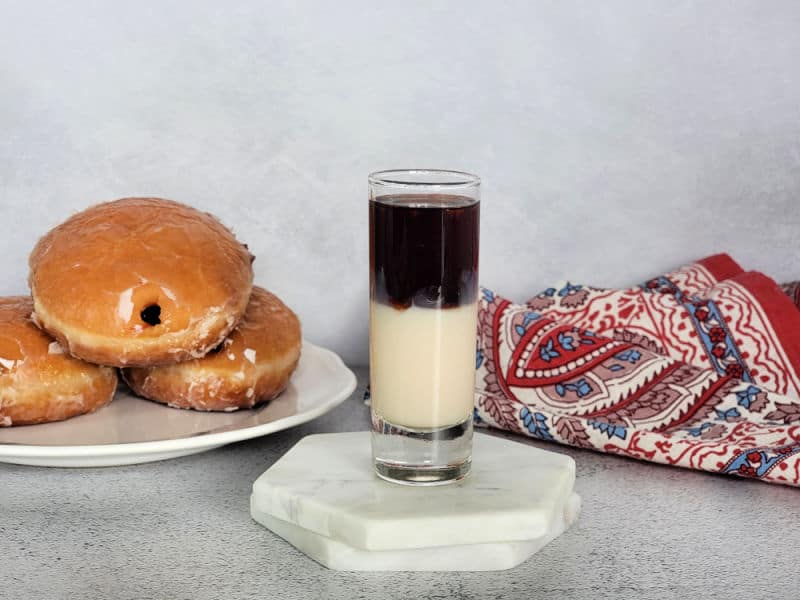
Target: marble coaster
495,556
323,497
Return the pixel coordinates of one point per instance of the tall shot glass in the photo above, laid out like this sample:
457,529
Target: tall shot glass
423,250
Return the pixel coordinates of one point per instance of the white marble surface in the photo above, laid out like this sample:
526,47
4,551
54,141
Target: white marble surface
326,484
496,556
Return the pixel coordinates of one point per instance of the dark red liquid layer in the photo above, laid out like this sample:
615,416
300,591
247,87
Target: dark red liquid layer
423,250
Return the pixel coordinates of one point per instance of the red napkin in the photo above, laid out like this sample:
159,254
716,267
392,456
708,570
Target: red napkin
699,368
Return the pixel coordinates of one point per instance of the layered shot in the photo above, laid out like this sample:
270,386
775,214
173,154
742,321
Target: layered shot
424,238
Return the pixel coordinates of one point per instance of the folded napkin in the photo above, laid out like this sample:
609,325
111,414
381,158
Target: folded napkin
699,368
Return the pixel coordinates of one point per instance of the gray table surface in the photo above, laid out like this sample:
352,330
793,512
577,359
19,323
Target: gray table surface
181,529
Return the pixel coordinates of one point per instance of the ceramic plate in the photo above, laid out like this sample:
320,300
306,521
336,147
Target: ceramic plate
131,430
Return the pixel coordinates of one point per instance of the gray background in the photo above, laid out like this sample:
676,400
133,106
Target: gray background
615,139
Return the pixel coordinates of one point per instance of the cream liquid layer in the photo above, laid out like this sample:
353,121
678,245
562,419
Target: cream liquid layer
422,364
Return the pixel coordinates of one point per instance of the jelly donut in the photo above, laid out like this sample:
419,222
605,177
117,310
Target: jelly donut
251,366
38,382
140,282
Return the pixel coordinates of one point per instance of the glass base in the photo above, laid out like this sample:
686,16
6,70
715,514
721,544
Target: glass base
421,456
422,475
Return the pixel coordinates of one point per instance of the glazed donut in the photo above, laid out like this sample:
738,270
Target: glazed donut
140,282
251,366
38,382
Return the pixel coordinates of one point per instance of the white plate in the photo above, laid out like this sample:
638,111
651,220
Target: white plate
131,430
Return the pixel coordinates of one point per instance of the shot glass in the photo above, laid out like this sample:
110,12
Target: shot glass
423,250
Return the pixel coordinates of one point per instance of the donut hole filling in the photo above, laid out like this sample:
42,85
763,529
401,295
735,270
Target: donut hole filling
151,314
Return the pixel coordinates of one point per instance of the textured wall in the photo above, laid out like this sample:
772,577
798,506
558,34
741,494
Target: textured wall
615,139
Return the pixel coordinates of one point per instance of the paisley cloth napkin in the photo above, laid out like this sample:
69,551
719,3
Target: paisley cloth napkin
699,368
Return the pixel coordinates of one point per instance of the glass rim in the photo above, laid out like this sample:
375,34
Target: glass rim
416,178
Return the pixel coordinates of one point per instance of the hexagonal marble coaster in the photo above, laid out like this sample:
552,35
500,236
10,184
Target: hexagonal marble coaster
324,498
466,557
